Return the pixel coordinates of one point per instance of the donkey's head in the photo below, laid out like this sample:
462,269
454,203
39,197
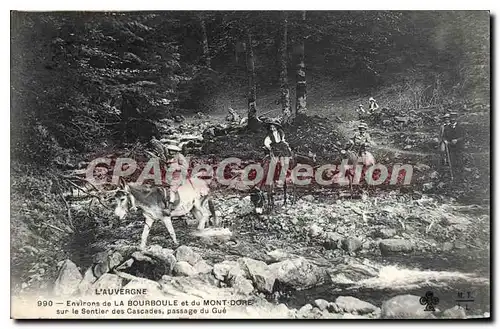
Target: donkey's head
124,199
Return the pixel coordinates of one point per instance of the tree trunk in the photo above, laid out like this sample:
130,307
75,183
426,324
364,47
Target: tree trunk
252,88
301,90
206,52
284,88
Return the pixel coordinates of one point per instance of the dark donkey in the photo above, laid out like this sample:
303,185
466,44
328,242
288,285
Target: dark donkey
270,186
161,203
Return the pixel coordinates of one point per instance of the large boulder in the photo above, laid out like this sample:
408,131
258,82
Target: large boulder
405,307
163,254
278,255
106,281
68,279
389,246
352,304
387,233
353,272
455,312
333,240
321,304
351,244
304,311
153,289
151,264
88,280
183,268
221,270
298,273
259,272
242,285
186,254
105,261
202,267
315,230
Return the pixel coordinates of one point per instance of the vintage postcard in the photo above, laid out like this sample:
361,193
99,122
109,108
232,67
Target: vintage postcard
250,164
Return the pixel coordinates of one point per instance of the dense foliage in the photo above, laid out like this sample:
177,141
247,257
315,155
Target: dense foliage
81,80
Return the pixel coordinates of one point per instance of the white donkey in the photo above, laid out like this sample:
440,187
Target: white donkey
160,203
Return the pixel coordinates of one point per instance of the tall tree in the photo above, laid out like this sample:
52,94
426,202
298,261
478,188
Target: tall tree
284,88
206,51
252,87
301,90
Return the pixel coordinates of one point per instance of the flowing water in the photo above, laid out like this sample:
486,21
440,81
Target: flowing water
445,275
465,271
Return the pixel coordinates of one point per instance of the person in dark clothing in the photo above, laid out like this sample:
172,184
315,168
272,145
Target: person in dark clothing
275,142
453,137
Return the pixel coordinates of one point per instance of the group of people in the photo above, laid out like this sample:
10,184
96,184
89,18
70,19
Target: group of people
276,145
372,108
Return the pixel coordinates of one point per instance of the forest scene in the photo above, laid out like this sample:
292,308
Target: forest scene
209,85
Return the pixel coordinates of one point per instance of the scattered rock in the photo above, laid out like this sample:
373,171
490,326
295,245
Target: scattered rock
242,285
352,304
353,272
447,246
244,206
304,311
152,264
332,240
88,279
427,186
404,307
259,272
107,281
455,312
220,270
315,230
105,261
186,254
321,304
153,288
298,273
460,245
183,268
202,267
388,246
308,198
387,233
351,244
68,279
332,307
278,255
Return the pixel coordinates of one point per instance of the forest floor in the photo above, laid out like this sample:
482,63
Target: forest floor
441,242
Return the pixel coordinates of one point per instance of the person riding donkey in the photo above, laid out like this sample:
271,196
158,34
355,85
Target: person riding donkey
359,144
177,171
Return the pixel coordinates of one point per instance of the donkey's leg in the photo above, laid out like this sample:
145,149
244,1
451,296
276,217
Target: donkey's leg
167,220
198,214
145,232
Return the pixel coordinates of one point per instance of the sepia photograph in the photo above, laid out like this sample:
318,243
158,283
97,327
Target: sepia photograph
250,164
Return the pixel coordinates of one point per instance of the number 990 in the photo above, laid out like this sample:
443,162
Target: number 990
44,303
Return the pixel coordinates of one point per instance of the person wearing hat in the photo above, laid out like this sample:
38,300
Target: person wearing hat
177,166
275,142
453,136
361,111
373,106
360,142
